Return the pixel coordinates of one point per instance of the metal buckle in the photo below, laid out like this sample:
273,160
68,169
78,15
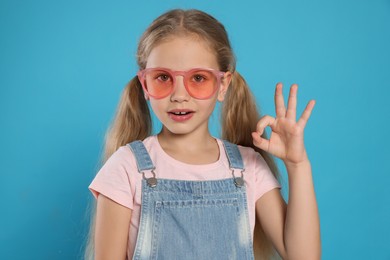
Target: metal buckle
152,181
239,181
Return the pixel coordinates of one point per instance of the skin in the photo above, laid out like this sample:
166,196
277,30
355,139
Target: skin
292,228
184,54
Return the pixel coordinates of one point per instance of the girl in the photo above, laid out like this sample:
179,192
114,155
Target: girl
183,194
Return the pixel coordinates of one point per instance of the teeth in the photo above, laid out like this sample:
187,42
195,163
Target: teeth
180,113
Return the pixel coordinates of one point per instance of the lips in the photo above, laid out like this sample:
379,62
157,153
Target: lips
180,115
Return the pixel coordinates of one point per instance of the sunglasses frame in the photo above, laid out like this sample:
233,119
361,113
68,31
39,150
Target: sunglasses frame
174,73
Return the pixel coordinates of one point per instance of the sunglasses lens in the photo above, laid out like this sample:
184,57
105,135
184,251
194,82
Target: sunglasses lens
201,84
158,83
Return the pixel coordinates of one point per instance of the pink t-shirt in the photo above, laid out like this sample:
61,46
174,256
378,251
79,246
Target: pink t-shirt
120,180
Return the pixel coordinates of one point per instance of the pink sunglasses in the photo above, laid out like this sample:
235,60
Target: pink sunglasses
200,83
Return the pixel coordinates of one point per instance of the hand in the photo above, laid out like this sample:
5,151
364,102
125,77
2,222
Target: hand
286,140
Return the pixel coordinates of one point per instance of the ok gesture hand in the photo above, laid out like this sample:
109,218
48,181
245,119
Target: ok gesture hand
286,140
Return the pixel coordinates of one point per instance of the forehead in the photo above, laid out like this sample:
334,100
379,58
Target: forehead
182,53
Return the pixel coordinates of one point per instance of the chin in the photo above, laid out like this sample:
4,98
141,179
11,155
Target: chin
176,131
180,129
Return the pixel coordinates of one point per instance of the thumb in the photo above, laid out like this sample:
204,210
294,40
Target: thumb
260,142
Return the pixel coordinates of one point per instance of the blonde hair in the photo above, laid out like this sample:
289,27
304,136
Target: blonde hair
239,112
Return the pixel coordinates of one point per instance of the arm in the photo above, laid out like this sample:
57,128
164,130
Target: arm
111,229
294,229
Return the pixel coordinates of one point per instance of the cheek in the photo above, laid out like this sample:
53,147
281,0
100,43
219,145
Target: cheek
157,106
155,102
209,105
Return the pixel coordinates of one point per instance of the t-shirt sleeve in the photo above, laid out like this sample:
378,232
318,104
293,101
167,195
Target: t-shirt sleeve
264,178
113,180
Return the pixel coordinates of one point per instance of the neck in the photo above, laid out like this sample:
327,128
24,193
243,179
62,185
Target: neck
192,141
191,148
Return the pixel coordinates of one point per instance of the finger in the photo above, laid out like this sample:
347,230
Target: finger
306,113
280,109
292,103
260,142
263,123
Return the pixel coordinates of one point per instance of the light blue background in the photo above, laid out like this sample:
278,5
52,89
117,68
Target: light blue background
63,65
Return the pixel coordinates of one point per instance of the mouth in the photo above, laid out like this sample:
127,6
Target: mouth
179,112
180,115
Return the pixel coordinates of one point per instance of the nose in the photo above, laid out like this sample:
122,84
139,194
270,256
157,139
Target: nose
179,93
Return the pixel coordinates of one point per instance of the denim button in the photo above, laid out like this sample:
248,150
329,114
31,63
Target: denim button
152,182
239,181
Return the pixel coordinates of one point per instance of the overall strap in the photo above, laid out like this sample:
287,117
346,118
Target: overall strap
235,162
144,162
141,155
233,155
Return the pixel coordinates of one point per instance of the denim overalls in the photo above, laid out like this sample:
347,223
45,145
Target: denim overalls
193,219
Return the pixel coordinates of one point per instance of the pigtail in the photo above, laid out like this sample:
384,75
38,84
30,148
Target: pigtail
240,116
132,122
132,119
238,120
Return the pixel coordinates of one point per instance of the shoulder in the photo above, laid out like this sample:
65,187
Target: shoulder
124,156
247,152
251,158
121,160
257,167
125,151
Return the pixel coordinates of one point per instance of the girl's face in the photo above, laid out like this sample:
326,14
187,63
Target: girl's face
179,112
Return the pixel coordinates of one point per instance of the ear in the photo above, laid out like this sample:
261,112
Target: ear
225,83
146,96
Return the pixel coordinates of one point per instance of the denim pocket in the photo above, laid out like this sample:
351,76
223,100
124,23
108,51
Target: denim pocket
197,229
